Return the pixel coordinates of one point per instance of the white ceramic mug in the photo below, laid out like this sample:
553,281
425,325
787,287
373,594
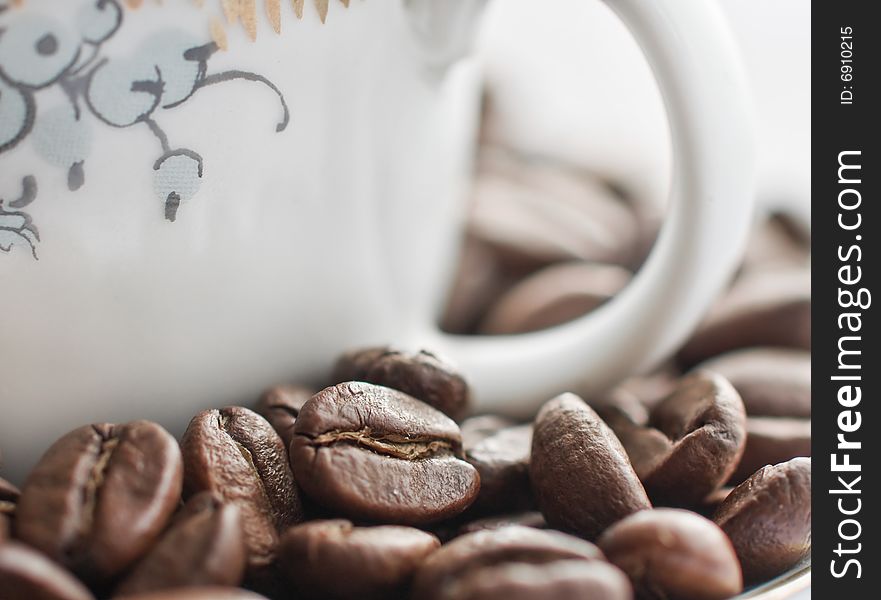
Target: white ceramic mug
183,225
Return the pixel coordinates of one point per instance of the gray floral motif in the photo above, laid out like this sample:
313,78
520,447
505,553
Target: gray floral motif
39,51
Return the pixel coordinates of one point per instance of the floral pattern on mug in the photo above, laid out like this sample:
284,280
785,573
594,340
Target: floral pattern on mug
38,51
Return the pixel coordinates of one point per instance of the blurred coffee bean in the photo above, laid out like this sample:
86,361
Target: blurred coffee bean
100,496
772,382
502,460
708,506
374,453
236,454
777,241
772,440
768,519
650,389
580,473
436,578
530,518
203,547
280,405
336,560
671,553
764,308
554,295
705,422
8,498
26,574
558,580
479,280
421,374
478,428
646,446
199,593
536,214
621,403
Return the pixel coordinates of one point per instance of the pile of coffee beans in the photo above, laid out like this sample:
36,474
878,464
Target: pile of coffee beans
689,483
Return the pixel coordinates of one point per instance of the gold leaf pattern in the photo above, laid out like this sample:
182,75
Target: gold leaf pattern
218,34
273,11
298,7
322,5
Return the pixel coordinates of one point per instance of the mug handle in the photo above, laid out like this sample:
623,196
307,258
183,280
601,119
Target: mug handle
695,61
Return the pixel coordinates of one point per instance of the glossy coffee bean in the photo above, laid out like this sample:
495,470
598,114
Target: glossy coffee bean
530,518
26,574
100,496
765,308
671,553
772,382
769,441
704,421
421,374
554,295
477,428
236,454
199,593
203,547
558,580
8,498
376,454
768,519
280,405
490,548
580,473
502,460
336,560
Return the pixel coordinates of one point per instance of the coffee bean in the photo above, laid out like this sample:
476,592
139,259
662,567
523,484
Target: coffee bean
704,421
554,295
476,429
768,519
708,506
502,460
199,593
650,389
621,403
767,308
671,553
334,559
531,518
280,405
534,215
203,547
26,574
580,473
772,382
8,498
236,454
777,241
489,548
421,375
558,580
771,440
646,446
376,454
100,497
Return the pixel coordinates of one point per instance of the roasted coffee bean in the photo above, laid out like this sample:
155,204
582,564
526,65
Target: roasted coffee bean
534,215
705,426
490,548
203,547
768,519
376,454
652,388
280,405
621,403
236,454
581,475
336,560
26,574
765,308
100,497
199,593
769,441
772,382
421,375
777,241
8,498
554,295
708,506
531,518
476,429
502,460
671,553
558,580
